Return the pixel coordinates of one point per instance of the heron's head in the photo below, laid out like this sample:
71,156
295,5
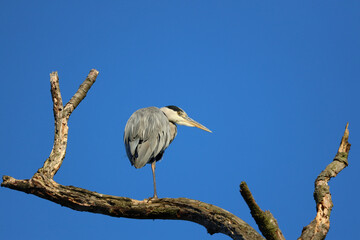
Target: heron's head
179,116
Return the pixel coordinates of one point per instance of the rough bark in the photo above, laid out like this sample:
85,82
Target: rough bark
214,219
319,227
264,219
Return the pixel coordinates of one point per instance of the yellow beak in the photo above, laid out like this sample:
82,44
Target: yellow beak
194,123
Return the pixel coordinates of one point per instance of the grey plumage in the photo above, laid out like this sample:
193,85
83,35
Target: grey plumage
149,131
147,135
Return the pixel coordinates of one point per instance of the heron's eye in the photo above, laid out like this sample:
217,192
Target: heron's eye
182,114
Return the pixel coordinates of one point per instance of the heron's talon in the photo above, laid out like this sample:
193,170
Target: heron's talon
151,198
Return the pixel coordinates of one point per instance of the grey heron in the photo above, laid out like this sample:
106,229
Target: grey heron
149,131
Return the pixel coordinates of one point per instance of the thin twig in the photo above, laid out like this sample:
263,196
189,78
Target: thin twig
81,92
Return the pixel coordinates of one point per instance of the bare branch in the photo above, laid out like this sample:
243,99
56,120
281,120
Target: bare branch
81,92
265,220
53,163
56,95
61,117
319,227
214,219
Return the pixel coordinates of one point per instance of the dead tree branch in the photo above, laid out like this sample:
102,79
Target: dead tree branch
264,219
214,219
319,227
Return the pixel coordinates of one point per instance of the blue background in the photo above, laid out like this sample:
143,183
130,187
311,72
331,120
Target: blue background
276,82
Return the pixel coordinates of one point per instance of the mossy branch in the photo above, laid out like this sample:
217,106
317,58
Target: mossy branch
264,219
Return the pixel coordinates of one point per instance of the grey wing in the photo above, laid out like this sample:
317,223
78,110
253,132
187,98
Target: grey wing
147,134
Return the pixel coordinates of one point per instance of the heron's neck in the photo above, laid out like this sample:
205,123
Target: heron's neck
173,131
170,114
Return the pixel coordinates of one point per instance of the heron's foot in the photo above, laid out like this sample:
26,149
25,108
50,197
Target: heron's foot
155,197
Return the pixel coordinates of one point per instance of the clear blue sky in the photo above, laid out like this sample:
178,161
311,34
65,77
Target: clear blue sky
275,81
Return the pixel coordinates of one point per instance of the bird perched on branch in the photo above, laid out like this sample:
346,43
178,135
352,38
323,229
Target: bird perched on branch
149,131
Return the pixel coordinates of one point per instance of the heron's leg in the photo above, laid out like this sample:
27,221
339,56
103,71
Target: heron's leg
153,172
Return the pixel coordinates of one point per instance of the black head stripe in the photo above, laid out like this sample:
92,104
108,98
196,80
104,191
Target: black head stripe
175,108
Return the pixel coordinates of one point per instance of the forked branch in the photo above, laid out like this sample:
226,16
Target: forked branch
319,227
